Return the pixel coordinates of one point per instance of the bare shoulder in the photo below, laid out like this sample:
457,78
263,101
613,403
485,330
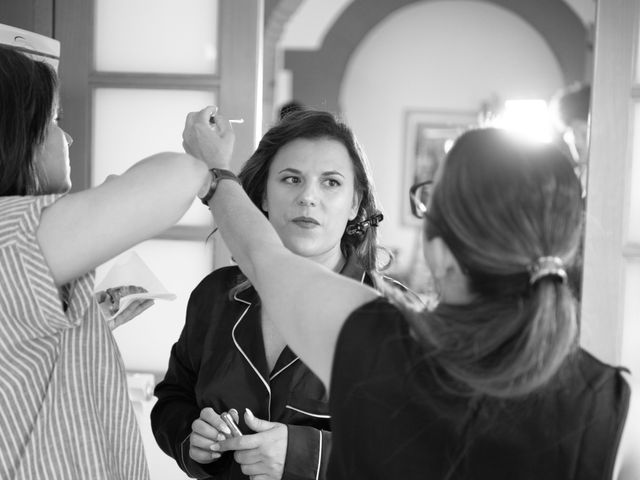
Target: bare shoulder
628,459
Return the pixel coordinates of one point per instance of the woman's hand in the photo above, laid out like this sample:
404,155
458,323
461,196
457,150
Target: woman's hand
261,455
209,137
206,431
134,309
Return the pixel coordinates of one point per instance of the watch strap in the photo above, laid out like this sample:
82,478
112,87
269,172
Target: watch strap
218,174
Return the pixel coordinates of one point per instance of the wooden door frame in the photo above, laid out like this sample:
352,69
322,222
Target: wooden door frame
610,157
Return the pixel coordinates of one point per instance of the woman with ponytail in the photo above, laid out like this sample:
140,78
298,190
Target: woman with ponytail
508,218
492,383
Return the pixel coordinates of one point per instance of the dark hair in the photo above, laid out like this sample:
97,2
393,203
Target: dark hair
499,205
572,103
27,92
290,107
313,124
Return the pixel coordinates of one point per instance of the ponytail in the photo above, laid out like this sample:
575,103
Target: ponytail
503,348
511,214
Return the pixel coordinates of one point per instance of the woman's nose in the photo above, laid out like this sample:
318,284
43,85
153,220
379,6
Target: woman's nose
308,196
69,138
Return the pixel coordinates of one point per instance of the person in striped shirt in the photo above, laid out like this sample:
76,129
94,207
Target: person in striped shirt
64,409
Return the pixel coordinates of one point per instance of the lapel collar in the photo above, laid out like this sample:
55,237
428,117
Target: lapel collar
285,360
247,332
350,269
249,296
247,335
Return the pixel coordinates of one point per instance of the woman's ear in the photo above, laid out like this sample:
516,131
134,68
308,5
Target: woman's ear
355,207
453,282
265,204
438,257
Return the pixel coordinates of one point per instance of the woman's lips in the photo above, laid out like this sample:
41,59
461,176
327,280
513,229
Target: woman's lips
306,222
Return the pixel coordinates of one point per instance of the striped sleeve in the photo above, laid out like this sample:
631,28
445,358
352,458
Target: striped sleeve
30,302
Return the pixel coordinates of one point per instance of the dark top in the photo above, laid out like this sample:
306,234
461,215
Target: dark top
393,420
219,361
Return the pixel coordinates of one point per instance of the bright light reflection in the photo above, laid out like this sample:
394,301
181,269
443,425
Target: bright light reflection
448,144
528,118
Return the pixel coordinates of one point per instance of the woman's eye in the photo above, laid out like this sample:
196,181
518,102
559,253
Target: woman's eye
332,182
291,180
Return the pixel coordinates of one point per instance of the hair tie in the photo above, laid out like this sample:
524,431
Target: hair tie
361,227
547,266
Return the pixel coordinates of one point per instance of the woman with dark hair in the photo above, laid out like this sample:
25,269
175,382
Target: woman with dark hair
492,382
309,177
66,412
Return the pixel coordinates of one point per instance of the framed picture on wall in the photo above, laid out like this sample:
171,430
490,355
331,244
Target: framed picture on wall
428,137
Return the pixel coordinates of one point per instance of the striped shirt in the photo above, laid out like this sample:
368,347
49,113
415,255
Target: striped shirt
64,407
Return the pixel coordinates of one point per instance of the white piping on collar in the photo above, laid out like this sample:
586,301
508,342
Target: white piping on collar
235,297
233,336
319,457
279,371
316,415
246,302
283,368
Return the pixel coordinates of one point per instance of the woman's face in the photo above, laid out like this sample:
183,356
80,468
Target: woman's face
52,158
310,197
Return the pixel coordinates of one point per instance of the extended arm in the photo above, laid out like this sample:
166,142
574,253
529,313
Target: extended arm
82,230
308,303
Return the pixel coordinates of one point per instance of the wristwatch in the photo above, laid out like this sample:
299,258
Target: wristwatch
218,174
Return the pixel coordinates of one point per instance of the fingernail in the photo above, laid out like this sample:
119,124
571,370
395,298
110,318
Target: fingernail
215,455
215,447
221,437
249,412
225,429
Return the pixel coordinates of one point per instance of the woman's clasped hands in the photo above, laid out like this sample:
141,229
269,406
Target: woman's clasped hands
261,455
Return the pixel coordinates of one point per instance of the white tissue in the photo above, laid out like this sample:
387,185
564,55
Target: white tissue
130,269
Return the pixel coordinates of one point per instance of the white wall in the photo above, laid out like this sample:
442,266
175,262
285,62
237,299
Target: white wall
436,56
